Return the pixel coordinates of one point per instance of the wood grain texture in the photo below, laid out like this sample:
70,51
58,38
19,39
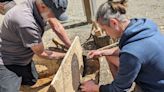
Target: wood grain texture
69,74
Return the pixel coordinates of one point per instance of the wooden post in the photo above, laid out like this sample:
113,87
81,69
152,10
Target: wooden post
90,9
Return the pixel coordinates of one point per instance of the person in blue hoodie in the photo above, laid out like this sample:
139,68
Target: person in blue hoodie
139,57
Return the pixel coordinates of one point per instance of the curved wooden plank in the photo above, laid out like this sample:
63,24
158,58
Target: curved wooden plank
69,74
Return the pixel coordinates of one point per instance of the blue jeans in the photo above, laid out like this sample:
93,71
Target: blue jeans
12,76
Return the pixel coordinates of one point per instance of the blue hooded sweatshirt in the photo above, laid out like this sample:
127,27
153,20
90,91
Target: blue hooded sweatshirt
141,58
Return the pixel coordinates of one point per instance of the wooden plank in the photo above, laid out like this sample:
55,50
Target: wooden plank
94,8
69,74
90,9
109,46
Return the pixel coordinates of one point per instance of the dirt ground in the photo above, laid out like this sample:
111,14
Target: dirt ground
152,9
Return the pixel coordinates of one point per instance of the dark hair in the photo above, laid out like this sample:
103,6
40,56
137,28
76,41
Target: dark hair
112,9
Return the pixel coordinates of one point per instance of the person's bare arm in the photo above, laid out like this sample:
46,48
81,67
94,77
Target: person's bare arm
107,52
40,51
111,52
60,31
1,6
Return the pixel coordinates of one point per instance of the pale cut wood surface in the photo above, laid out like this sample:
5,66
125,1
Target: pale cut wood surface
68,76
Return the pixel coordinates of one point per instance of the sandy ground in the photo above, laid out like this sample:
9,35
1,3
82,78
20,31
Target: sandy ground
152,9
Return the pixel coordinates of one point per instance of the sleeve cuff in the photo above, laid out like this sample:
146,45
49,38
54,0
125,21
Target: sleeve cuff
104,88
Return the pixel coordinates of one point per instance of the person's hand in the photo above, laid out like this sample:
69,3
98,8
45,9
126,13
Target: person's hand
56,55
1,6
94,54
89,86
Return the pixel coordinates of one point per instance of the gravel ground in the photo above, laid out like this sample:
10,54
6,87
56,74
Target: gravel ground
152,9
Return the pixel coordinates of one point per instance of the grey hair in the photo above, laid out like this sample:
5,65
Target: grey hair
107,11
39,1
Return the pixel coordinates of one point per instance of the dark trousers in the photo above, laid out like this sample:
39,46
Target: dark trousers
12,76
5,0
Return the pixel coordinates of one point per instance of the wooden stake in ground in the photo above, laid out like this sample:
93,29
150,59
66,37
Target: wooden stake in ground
90,9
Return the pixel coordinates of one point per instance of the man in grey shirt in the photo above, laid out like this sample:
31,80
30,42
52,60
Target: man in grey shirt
20,38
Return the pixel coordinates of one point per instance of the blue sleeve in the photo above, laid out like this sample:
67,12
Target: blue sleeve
128,70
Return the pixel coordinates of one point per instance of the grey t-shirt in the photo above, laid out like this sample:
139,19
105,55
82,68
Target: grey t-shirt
22,28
